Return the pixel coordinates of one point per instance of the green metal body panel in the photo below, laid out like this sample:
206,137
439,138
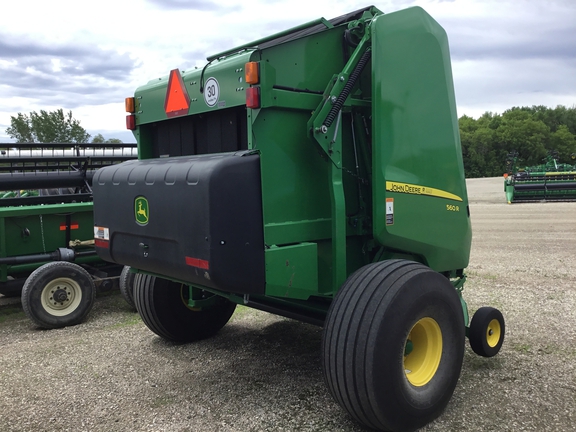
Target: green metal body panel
150,98
38,229
296,182
384,179
417,156
229,73
292,271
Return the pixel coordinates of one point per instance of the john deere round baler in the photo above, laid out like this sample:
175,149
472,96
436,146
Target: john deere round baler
316,174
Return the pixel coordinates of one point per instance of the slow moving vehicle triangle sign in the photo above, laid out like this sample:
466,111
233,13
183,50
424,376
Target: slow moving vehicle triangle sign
177,100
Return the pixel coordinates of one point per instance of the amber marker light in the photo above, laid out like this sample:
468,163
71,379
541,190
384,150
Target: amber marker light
130,105
251,73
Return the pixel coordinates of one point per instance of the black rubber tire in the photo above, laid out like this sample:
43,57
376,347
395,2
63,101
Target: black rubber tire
366,335
126,285
69,280
487,323
162,305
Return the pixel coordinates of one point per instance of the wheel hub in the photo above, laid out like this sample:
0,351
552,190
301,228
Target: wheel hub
60,295
408,348
422,352
493,333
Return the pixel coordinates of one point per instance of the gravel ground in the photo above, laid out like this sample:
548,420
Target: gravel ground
262,372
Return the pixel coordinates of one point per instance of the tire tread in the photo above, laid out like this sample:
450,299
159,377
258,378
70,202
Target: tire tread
31,286
356,315
159,304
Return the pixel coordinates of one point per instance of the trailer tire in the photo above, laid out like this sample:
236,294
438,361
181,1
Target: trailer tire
58,294
486,333
126,285
162,305
389,318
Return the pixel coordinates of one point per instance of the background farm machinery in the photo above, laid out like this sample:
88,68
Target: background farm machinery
46,228
549,181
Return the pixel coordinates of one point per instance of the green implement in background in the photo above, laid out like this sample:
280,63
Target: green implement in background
550,181
47,251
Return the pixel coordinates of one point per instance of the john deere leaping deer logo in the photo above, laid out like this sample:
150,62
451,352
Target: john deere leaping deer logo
141,210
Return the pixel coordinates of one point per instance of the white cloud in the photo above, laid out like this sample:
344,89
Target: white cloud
89,56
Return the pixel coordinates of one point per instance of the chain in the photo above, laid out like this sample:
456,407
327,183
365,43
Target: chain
42,231
353,174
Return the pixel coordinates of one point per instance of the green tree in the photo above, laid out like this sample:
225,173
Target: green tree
47,127
490,120
530,131
567,117
521,132
554,118
99,139
481,151
564,142
489,158
467,127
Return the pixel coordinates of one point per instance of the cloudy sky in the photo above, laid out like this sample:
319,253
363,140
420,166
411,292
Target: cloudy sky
88,56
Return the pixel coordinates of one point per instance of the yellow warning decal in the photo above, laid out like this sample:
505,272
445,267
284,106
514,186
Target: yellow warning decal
413,189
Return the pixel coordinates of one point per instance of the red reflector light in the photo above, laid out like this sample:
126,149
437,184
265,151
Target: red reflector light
196,262
253,97
131,122
73,226
104,244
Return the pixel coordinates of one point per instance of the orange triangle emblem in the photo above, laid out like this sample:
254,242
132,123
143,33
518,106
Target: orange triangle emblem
177,100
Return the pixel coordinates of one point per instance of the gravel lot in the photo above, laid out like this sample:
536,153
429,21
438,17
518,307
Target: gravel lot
262,372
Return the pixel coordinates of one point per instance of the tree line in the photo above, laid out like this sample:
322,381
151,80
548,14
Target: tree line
532,132
51,127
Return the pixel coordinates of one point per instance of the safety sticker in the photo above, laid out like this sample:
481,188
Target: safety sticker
101,233
389,211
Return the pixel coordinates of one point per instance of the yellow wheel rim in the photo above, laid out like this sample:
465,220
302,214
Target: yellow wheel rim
423,352
493,333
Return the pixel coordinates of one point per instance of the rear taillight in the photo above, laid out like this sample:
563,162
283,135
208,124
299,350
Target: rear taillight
253,97
131,122
130,108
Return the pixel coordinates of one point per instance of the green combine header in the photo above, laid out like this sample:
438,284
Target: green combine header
550,181
316,174
47,253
